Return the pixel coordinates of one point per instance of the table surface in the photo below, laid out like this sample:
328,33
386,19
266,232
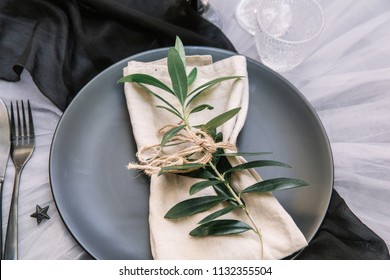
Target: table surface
346,79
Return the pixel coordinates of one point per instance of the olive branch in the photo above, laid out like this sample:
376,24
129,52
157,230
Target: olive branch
205,158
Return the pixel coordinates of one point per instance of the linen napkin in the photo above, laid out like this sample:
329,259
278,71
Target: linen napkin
170,239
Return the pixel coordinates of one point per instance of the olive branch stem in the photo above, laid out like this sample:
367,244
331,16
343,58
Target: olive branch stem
242,206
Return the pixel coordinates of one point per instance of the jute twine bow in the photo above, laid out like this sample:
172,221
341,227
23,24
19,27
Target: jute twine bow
192,146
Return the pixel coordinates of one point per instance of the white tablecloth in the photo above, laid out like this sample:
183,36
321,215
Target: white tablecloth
346,79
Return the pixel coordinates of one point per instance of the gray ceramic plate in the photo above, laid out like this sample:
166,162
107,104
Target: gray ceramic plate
105,206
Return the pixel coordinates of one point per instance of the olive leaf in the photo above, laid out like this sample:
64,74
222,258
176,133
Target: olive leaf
220,119
192,76
178,75
171,168
274,185
193,206
218,214
170,134
212,83
201,173
202,185
257,163
206,86
145,79
180,49
220,227
147,90
171,111
201,108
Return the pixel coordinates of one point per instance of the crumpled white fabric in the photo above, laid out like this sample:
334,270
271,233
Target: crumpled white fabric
170,239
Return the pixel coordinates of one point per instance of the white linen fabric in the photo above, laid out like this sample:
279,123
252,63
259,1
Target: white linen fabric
170,239
346,79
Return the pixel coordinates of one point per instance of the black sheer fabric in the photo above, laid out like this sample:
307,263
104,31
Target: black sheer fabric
343,236
64,44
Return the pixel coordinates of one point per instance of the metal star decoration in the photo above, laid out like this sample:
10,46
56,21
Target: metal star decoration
40,214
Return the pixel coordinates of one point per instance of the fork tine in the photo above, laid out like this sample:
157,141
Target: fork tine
19,135
13,128
31,132
24,123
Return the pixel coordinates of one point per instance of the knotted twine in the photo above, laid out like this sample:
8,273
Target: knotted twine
200,150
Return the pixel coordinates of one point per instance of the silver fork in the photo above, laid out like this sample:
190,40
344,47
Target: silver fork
22,147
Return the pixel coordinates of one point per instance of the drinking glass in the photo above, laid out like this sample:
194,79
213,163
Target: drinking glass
246,15
286,31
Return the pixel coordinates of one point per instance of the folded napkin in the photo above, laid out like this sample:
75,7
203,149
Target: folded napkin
170,239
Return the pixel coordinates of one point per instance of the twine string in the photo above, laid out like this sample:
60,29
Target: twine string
194,146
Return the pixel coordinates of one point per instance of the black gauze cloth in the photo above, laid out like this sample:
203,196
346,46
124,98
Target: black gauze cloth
64,44
342,236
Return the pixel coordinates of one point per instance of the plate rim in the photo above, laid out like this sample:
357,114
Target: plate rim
193,48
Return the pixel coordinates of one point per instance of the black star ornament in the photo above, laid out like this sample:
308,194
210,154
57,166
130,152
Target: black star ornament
40,214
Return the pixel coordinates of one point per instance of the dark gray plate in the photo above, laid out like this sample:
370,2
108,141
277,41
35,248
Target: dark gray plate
105,206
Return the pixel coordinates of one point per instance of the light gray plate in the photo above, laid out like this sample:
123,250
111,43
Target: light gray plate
105,206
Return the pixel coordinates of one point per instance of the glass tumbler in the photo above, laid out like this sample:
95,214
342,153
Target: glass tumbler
287,31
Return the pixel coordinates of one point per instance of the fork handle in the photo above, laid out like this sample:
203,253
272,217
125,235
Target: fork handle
1,215
11,237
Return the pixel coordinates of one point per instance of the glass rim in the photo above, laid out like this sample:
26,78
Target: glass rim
300,41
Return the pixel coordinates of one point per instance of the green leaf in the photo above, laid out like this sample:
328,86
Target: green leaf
241,154
223,166
220,119
159,97
203,88
213,83
274,184
171,168
218,137
201,173
145,79
178,75
192,76
255,164
171,111
180,49
170,134
222,190
202,185
193,206
220,227
201,108
218,213
211,132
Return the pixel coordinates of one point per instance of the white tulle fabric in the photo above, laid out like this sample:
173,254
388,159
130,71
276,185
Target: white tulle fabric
346,79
